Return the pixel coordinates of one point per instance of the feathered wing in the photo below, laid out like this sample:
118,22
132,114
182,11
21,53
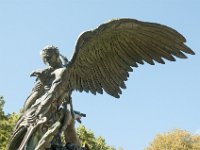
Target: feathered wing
104,56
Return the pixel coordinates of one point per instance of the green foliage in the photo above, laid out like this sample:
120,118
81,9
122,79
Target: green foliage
94,143
7,123
2,102
175,140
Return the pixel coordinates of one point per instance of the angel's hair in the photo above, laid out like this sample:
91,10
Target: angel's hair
49,50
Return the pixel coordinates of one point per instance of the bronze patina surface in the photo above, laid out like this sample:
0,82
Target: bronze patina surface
102,61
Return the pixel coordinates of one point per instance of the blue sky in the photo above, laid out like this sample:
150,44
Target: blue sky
157,99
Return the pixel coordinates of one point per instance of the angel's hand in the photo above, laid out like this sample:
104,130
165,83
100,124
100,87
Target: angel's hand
38,73
33,74
78,115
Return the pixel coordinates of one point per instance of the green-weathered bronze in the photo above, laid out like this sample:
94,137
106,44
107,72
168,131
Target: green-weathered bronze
102,61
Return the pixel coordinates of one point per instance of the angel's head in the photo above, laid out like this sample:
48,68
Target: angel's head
50,55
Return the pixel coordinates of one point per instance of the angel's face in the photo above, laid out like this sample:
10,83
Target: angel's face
51,60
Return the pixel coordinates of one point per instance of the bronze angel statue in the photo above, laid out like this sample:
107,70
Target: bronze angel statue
101,62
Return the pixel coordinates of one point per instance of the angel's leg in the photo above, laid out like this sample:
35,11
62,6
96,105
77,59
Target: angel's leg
70,134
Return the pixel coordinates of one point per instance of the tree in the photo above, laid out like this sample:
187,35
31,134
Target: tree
88,139
1,107
7,123
175,140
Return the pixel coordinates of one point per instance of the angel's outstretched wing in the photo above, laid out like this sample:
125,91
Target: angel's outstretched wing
104,56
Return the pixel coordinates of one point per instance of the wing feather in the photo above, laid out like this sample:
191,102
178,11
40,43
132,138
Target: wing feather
104,56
